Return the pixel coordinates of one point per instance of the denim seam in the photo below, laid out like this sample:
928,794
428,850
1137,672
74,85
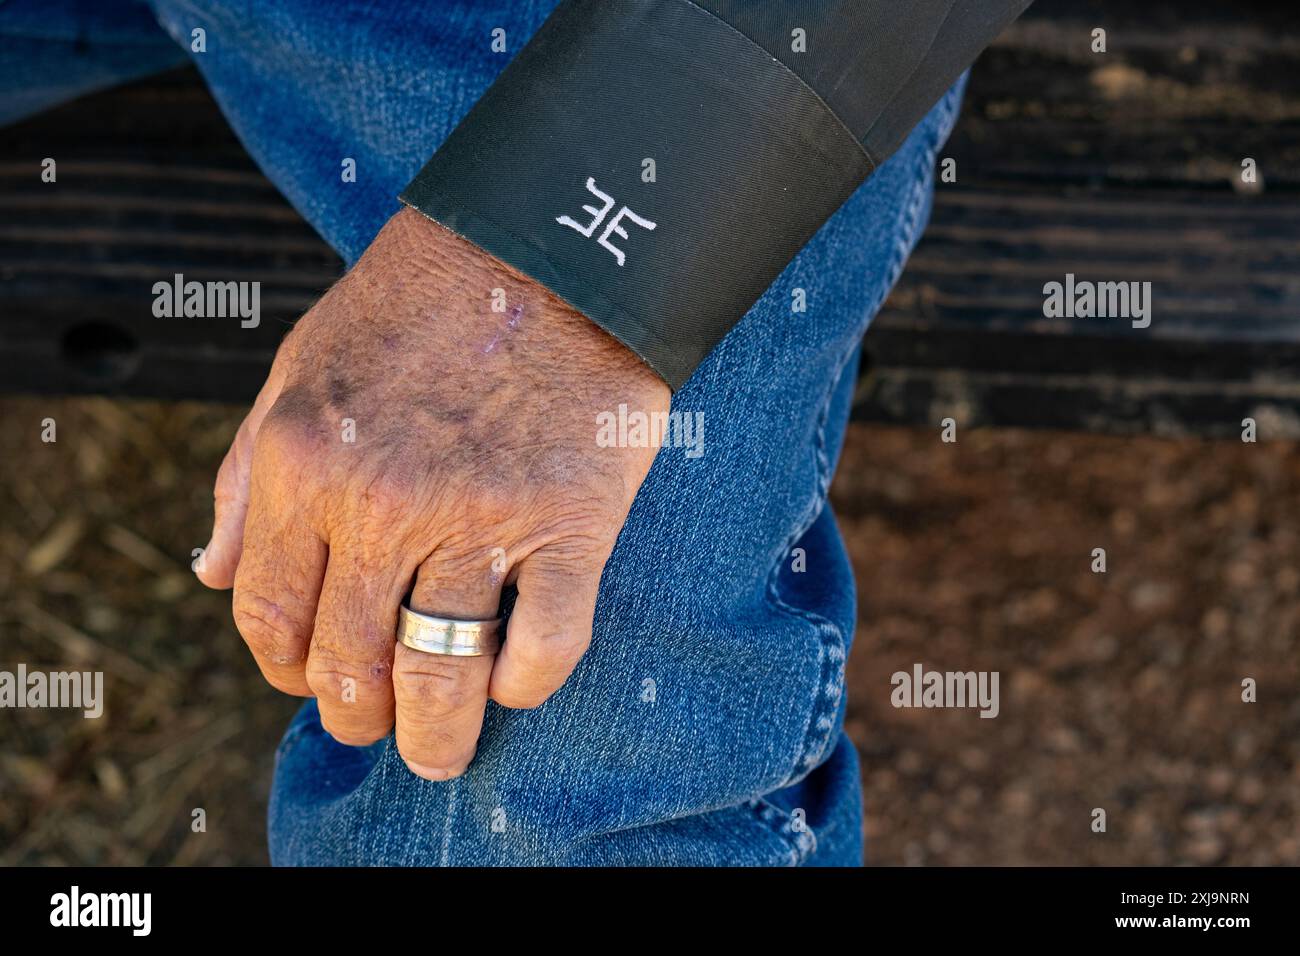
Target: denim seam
781,824
831,650
452,792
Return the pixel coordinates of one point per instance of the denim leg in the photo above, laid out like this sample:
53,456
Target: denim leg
52,51
704,725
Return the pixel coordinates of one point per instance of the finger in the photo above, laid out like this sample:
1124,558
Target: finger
277,586
440,698
216,567
550,627
350,661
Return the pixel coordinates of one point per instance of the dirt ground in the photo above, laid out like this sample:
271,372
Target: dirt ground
1120,691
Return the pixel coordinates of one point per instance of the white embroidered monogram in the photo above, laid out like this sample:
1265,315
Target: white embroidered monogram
599,215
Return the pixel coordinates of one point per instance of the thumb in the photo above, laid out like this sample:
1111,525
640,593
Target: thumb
216,566
550,626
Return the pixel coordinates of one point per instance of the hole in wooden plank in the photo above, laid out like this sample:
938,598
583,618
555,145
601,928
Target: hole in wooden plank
101,352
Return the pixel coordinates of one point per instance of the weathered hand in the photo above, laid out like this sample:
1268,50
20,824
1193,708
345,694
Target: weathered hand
408,429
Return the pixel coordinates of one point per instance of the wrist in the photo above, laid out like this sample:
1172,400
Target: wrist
519,314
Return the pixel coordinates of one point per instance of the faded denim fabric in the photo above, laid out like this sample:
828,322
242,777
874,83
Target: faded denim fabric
704,725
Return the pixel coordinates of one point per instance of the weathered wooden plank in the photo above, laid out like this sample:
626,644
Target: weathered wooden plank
1111,167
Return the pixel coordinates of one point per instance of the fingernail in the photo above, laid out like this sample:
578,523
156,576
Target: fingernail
201,564
428,773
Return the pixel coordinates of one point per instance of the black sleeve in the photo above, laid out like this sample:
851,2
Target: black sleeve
657,163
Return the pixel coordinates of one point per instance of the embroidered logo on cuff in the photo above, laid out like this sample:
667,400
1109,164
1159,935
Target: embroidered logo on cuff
598,216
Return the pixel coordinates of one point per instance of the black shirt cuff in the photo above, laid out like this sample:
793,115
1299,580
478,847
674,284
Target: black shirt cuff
656,167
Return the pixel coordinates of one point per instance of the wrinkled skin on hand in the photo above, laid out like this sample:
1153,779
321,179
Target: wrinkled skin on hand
474,464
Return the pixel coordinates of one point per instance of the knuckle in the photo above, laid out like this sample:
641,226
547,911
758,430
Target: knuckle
348,682
268,628
288,432
437,688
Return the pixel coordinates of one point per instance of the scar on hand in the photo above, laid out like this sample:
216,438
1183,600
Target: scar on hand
516,313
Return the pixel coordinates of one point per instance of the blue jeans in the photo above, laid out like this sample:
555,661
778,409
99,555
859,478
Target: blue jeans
705,724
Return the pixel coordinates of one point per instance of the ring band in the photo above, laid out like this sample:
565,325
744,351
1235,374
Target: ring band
444,635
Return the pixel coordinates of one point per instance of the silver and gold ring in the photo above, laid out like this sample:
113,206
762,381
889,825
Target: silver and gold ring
444,635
